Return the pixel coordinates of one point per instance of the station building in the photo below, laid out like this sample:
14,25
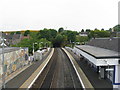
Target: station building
103,54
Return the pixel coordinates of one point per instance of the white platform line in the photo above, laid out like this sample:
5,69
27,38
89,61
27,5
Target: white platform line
83,86
48,59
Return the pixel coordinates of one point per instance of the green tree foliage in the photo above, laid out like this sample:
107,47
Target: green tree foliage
117,28
12,33
34,35
102,29
37,44
26,32
87,30
110,30
81,38
82,30
44,43
18,32
50,37
59,40
49,34
71,35
60,30
99,34
95,29
26,43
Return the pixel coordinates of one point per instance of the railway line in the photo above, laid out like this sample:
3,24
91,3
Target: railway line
59,73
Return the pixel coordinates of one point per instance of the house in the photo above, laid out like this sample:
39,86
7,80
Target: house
14,39
83,34
25,37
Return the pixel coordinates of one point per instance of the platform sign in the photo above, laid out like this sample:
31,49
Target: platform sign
109,69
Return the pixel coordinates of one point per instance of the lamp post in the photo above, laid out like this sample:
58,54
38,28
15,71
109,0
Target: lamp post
34,48
40,45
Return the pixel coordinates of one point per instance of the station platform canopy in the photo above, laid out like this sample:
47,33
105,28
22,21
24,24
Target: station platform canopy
98,56
99,52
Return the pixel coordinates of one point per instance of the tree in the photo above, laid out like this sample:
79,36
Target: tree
98,34
82,30
49,34
102,29
26,32
34,35
60,30
26,43
72,36
12,33
81,38
44,43
95,29
53,33
58,41
87,30
110,29
18,32
116,28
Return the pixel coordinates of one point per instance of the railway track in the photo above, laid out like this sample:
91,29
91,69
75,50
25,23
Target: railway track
59,73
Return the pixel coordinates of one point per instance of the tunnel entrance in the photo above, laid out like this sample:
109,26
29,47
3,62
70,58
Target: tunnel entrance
55,45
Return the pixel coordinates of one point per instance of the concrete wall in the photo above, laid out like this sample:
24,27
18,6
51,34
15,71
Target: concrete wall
13,60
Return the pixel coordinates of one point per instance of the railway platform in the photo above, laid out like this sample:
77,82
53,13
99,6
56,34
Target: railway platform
91,74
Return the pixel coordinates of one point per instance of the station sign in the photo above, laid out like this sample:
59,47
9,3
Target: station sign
109,69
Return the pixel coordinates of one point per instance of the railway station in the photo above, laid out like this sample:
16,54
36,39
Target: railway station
102,54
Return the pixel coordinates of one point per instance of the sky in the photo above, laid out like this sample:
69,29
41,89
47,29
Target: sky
69,14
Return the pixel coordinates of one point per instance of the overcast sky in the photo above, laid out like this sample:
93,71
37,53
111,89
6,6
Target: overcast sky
69,14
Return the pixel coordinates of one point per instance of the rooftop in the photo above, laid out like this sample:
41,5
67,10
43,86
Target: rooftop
98,52
107,43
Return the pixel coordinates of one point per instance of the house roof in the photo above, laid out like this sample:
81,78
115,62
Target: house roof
83,32
14,36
